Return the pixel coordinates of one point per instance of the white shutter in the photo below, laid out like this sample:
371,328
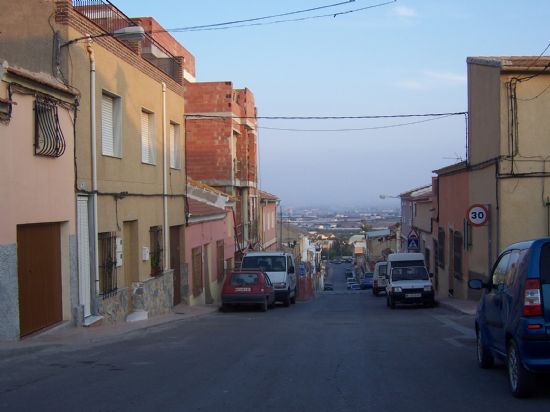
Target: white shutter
107,127
147,141
173,149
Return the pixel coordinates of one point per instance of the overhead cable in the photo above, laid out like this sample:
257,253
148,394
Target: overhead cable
390,116
204,26
232,25
355,129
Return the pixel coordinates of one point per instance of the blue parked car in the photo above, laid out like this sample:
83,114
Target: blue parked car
366,282
513,317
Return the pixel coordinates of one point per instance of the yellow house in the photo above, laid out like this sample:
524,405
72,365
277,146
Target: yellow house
129,152
508,152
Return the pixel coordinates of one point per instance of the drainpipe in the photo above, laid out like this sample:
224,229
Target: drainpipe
93,156
547,204
164,179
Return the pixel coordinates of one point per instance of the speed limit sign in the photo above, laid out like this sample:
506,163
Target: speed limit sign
478,215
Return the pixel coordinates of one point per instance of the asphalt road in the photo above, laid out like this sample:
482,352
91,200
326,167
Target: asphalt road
343,351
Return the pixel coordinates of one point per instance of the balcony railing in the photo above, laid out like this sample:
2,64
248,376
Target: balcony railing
107,16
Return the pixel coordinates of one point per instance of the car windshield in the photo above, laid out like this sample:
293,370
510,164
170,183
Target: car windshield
265,263
410,273
244,279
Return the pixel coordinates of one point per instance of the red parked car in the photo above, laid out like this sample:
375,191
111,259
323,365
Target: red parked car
248,287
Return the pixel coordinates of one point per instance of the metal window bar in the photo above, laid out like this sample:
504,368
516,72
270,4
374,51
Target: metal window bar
107,16
48,137
156,251
220,260
107,264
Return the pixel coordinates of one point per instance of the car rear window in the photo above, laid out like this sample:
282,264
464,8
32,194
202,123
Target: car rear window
406,263
410,273
545,264
265,263
242,279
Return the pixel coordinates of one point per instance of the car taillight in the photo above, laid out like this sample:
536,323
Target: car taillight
532,305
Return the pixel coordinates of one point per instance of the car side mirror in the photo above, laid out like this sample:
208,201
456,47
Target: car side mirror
291,269
431,275
477,284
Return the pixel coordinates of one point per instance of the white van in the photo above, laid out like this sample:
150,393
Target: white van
279,266
408,280
379,278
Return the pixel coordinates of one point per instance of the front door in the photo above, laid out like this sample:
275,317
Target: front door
39,273
494,301
175,261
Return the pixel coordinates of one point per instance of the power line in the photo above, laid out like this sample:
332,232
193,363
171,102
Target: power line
355,129
390,116
232,25
204,26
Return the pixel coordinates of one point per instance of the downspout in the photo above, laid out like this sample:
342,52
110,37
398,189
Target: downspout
93,155
164,179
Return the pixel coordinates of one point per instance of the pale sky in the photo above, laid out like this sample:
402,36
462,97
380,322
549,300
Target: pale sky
403,58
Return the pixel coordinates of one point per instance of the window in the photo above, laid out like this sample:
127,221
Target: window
457,255
107,264
110,126
156,251
219,260
499,274
148,147
175,150
441,248
273,219
48,137
197,270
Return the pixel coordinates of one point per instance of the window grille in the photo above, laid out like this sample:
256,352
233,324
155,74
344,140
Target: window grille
220,260
197,271
107,264
457,255
48,137
441,248
155,234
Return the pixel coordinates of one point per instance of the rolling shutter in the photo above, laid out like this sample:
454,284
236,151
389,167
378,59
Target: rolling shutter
147,141
107,126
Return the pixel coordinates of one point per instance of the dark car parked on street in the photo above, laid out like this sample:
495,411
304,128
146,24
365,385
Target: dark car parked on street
513,317
366,282
250,287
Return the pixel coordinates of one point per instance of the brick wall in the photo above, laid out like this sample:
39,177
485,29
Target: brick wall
152,27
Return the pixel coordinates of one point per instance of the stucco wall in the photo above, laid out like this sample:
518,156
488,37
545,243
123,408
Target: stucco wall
484,112
200,234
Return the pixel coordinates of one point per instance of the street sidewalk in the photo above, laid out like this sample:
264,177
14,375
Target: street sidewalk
67,337
466,307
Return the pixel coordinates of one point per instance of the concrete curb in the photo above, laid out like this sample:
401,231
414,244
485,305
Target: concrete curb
458,308
67,337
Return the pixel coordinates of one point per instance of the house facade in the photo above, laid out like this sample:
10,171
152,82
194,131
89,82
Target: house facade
268,221
221,144
129,153
38,268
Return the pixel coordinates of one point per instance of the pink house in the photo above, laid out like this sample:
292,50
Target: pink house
209,242
268,220
38,284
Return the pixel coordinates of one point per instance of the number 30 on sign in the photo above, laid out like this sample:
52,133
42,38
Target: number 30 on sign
478,215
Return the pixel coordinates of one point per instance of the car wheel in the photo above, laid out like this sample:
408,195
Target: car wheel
519,377
293,298
263,306
484,356
224,307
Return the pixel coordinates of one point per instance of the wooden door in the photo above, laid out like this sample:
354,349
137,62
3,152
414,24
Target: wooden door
175,261
39,273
